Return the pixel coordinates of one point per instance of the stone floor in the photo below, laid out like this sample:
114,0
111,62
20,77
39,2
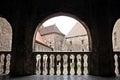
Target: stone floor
61,77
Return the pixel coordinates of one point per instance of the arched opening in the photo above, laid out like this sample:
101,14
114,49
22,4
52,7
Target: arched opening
70,30
116,36
64,35
5,45
116,45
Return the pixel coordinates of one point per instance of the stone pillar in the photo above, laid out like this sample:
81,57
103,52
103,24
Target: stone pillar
22,57
101,60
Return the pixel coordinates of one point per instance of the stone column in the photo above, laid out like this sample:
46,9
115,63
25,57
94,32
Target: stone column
101,60
22,58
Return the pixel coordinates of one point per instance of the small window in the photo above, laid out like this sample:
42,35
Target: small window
82,41
70,42
50,44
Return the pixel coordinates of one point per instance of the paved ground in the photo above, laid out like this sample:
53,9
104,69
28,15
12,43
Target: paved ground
61,77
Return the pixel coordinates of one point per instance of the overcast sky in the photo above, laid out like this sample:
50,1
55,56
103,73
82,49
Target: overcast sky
64,23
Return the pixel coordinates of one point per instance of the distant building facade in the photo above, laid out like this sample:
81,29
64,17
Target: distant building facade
53,37
39,44
50,37
116,36
77,39
39,47
5,35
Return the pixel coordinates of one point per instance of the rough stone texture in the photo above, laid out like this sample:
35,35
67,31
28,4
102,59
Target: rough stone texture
41,47
77,44
5,35
116,36
54,40
77,39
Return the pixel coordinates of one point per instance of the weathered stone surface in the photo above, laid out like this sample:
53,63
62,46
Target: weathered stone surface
5,35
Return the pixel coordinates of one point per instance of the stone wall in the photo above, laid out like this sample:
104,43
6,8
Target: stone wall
79,43
38,47
5,35
54,40
116,36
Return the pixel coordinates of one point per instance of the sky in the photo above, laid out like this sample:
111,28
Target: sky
63,23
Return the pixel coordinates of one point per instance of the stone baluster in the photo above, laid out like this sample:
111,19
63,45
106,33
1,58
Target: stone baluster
38,64
78,64
72,64
65,64
85,64
58,62
52,64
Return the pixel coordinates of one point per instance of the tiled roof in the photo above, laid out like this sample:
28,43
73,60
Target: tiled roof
50,29
39,38
77,30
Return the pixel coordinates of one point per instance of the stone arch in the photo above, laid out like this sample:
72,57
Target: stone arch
5,35
68,15
116,36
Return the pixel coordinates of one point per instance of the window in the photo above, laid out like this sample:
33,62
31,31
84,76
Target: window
70,42
82,41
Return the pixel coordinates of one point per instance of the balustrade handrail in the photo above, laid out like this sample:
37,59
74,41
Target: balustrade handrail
5,52
62,60
4,62
61,53
116,52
